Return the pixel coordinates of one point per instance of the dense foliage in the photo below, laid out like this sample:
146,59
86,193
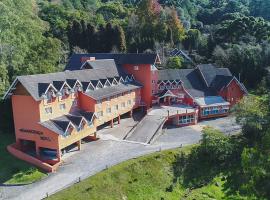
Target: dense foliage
38,36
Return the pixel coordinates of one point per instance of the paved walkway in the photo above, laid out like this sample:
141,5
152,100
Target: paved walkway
96,156
149,128
146,129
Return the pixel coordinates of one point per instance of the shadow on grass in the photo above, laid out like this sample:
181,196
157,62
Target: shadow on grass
12,170
199,168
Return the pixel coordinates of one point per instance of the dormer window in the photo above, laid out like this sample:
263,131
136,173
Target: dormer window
114,82
51,95
90,87
78,88
68,131
107,84
121,80
99,86
81,126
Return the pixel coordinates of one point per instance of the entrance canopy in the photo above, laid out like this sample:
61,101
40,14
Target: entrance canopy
166,93
211,101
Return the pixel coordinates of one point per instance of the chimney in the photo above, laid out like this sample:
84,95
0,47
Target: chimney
85,59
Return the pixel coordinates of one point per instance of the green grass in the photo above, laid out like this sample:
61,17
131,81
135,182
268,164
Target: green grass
149,177
13,170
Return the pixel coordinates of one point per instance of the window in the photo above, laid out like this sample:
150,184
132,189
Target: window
48,110
68,131
100,114
108,110
153,81
123,104
161,87
186,119
129,102
74,103
99,103
108,99
81,127
116,107
136,68
90,124
62,106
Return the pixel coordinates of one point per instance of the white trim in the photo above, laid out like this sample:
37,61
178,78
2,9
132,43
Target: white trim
63,86
10,88
114,82
50,85
100,84
87,88
203,77
83,119
107,81
82,66
240,84
70,123
121,78
77,81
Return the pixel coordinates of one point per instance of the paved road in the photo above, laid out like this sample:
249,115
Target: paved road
146,129
95,156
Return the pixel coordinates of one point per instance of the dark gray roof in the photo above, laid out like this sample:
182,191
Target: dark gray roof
129,58
221,81
71,82
206,80
209,73
87,115
190,79
36,85
60,124
113,90
42,87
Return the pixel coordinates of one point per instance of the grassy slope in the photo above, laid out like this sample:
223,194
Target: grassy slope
148,177
13,170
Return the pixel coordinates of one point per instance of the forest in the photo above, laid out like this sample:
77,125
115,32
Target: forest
38,36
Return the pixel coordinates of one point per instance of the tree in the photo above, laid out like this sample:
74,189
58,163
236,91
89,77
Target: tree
120,39
193,39
175,62
178,32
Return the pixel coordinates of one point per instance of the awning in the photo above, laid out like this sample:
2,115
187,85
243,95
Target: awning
211,101
166,93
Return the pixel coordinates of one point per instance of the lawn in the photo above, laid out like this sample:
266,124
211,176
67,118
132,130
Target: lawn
13,170
149,177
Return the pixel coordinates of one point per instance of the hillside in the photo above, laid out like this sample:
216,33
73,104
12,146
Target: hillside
40,36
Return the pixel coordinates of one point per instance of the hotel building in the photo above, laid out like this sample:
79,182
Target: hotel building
53,112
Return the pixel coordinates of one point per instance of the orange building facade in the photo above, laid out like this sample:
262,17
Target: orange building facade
56,112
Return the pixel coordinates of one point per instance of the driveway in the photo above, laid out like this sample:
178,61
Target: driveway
97,156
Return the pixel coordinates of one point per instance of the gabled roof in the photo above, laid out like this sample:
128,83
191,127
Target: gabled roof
75,61
209,72
189,78
59,125
166,93
36,85
205,80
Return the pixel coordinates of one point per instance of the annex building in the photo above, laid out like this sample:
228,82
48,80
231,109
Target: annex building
55,111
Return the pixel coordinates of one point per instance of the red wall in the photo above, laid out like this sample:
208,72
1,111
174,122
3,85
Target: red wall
233,93
143,75
86,103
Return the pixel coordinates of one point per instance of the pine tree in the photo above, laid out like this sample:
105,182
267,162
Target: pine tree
120,39
91,38
109,37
